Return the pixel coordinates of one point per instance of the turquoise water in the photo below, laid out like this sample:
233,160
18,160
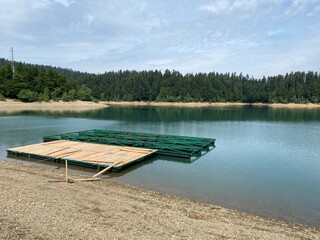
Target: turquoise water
266,161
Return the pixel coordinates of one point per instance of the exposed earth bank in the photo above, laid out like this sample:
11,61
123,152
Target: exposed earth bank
213,104
12,106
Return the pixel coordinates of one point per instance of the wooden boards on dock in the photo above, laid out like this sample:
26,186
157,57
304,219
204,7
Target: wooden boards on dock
86,154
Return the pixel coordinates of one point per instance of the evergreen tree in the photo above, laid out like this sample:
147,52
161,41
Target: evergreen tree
57,83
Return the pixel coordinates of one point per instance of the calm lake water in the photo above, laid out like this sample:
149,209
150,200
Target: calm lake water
266,161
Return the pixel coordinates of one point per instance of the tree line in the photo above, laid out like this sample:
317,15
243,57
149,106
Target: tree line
172,86
168,86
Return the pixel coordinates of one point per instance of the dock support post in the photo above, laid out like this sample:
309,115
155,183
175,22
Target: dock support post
66,161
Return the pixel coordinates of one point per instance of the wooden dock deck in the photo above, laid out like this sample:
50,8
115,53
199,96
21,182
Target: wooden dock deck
85,154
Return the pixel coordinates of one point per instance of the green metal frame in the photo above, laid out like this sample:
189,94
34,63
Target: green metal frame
179,146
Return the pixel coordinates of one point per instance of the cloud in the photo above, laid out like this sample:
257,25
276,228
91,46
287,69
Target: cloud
251,36
275,32
301,6
315,10
228,6
291,8
82,25
216,7
9,12
65,3
39,4
287,58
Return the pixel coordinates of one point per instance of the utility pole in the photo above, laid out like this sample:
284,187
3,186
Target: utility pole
12,62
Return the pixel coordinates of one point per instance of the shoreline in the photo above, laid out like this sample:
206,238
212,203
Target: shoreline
214,104
12,106
30,208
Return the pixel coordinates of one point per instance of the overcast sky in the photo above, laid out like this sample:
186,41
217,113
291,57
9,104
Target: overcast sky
255,37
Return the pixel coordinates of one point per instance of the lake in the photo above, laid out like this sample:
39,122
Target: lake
266,161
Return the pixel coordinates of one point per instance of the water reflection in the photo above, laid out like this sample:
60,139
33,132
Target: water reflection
176,114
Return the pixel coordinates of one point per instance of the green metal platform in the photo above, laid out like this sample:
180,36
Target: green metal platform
178,146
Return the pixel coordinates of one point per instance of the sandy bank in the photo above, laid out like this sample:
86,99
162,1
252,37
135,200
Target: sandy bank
207,104
294,105
32,208
11,106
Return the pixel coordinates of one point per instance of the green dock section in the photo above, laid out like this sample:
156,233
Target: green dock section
179,146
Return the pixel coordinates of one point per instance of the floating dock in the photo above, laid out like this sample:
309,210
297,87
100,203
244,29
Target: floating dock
113,149
84,154
178,146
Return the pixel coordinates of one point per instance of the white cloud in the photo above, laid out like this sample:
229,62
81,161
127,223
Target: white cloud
250,6
65,3
300,6
283,59
314,11
249,36
83,25
227,6
10,11
216,7
275,32
39,4
161,63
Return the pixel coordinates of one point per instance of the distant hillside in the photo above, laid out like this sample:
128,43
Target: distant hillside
170,86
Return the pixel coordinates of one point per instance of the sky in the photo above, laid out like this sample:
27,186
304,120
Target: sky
255,37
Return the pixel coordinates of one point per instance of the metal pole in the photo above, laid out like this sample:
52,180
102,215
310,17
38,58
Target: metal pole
12,62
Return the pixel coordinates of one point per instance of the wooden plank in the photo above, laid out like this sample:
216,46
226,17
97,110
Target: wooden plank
53,142
106,169
59,150
85,152
97,161
90,154
63,155
25,148
71,180
135,150
66,170
86,179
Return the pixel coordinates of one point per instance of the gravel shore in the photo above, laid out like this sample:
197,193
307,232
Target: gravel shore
33,208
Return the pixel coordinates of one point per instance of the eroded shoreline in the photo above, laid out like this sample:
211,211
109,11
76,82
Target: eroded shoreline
12,106
215,104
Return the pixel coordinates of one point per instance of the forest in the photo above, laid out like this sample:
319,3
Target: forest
40,83
31,83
